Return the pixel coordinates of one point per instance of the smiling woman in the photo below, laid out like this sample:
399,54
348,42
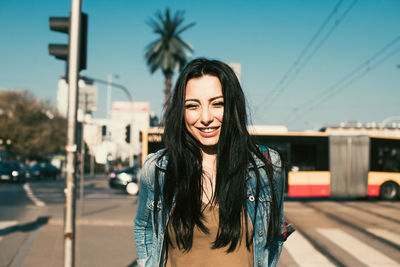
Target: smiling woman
204,110
211,197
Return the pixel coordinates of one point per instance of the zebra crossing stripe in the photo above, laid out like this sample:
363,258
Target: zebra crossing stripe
393,237
364,253
5,224
304,253
32,196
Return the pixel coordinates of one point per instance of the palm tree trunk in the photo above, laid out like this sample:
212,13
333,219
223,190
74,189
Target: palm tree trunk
168,85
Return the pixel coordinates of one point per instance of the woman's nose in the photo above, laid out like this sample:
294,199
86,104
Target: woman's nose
206,116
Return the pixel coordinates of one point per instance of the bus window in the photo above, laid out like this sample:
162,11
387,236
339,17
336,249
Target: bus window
389,159
304,157
385,155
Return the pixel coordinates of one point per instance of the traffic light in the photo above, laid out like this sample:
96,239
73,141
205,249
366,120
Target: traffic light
128,133
60,51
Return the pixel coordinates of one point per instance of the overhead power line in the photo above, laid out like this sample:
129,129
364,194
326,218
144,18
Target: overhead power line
357,73
299,64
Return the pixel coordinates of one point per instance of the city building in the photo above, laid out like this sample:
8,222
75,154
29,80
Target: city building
107,139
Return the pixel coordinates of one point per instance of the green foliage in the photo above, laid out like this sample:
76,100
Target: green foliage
169,52
35,129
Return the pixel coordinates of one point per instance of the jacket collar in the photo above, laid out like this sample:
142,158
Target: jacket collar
162,162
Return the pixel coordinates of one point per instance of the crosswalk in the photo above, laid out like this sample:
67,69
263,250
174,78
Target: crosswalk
305,254
393,237
363,252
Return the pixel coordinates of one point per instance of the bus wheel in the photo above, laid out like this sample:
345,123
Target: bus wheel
389,191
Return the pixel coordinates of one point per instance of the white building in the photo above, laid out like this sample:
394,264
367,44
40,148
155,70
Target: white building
88,96
118,137
107,138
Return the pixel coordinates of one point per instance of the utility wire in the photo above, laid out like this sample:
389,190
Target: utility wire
298,66
366,64
337,22
305,50
350,78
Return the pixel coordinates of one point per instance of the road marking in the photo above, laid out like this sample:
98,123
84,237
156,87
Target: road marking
304,253
364,253
32,197
5,224
391,236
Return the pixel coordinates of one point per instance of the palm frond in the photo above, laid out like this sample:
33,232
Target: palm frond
185,28
168,52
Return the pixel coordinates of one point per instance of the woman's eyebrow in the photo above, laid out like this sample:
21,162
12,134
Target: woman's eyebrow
197,100
213,98
190,99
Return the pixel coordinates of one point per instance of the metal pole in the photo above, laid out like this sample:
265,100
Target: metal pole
82,178
91,164
113,84
70,190
108,133
109,92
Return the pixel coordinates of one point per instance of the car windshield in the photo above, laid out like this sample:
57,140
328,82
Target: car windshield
130,170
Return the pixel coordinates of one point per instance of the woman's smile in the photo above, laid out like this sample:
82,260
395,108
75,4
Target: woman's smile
208,132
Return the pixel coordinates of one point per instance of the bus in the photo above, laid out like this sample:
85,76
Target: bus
323,165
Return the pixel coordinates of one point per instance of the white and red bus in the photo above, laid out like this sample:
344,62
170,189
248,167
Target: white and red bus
322,165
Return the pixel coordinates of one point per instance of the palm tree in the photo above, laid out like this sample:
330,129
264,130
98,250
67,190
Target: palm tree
169,52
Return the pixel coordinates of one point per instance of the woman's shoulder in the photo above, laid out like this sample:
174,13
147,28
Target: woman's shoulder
152,161
275,158
272,154
154,158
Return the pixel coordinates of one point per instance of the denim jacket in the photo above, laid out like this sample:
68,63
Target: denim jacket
151,247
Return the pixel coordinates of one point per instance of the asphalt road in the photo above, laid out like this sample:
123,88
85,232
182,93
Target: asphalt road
343,233
31,224
329,232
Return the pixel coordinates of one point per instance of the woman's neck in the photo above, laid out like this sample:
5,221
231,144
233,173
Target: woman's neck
209,174
209,161
209,164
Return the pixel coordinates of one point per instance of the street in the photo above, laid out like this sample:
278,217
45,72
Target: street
342,233
32,234
328,233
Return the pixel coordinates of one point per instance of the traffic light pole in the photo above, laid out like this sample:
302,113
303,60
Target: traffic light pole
82,165
70,189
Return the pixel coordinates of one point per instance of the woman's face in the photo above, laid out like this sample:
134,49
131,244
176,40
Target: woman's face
204,110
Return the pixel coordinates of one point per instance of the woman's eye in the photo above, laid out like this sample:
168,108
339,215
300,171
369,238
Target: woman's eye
190,106
219,104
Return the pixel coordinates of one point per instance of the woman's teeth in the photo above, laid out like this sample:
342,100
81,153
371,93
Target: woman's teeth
208,130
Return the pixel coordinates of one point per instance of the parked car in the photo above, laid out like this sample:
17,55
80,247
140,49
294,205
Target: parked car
43,170
126,179
12,171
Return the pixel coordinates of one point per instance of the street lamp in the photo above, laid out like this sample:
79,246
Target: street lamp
110,84
109,93
109,98
116,85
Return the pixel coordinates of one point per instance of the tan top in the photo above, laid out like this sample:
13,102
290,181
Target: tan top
202,255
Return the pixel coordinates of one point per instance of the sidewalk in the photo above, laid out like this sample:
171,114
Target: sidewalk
104,236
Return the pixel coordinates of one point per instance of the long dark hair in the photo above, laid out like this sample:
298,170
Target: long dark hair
184,171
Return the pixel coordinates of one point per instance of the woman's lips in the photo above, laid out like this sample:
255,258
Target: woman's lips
209,131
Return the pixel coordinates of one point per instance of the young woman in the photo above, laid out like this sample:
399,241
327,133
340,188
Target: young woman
212,197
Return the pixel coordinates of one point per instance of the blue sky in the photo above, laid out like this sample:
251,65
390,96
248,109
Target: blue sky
265,37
